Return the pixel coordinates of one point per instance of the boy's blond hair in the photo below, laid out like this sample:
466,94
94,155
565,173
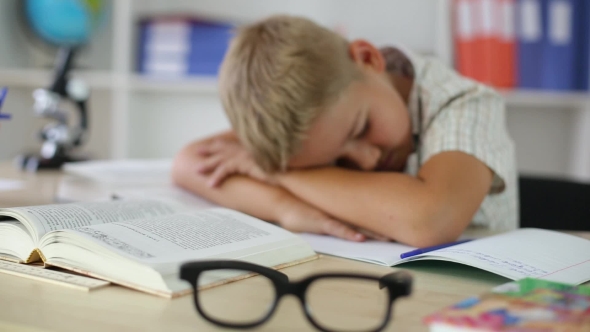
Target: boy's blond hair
277,77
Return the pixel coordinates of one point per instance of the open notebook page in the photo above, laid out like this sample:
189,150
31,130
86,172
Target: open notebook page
522,253
376,252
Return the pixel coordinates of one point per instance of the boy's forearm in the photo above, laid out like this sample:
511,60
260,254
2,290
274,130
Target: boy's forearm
237,192
401,210
396,205
432,208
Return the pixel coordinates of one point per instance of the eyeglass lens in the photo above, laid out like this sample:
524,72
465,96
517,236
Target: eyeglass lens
254,297
364,310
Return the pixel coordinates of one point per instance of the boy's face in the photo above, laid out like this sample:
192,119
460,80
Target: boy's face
367,128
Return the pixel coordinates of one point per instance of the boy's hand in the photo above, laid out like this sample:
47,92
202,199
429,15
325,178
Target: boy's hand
223,157
297,216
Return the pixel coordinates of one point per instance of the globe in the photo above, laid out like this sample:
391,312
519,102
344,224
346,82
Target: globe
65,22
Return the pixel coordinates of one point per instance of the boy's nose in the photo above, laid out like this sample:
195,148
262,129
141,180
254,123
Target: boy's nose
365,156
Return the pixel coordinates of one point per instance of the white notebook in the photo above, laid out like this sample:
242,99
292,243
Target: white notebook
518,254
127,171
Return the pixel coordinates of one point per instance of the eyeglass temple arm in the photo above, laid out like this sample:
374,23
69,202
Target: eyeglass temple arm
399,281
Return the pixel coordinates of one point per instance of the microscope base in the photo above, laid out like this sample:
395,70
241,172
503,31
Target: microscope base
34,163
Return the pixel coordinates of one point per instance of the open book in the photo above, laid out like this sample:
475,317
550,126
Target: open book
518,254
142,243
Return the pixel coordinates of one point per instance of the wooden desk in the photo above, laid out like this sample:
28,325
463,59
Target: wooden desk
28,305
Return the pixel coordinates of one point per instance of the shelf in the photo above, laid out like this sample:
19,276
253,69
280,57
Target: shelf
196,84
97,79
545,99
37,78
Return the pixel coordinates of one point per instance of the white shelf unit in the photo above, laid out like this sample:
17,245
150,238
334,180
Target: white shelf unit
33,78
139,116
198,85
103,80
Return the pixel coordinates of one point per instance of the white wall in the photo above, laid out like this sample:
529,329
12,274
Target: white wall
543,139
161,122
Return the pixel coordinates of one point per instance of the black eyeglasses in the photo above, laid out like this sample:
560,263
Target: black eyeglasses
369,307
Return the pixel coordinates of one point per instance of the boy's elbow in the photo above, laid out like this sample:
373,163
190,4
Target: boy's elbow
434,224
180,167
428,238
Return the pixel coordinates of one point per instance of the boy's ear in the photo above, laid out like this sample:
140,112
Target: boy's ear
366,54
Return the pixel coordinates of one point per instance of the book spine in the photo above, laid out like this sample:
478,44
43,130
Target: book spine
36,256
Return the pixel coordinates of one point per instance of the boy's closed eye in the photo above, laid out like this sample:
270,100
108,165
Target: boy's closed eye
364,130
360,125
358,133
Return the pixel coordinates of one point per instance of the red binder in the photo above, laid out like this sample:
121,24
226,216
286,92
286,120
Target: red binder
464,37
485,41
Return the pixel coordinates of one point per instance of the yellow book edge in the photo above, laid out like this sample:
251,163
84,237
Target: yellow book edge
37,256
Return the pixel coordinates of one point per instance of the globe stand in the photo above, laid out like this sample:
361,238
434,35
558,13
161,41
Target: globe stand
59,140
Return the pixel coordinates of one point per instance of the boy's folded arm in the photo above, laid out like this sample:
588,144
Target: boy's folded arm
264,201
432,208
239,192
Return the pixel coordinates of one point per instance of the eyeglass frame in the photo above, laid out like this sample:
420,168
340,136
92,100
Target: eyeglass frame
399,284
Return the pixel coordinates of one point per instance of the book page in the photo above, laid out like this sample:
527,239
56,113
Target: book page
371,251
524,253
185,236
166,191
146,254
47,218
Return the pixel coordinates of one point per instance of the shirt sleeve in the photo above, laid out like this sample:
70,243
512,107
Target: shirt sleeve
473,122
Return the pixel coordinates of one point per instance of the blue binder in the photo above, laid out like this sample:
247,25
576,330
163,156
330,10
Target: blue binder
530,44
200,52
562,22
209,42
584,47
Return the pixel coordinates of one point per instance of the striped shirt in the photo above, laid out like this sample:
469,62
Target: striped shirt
453,113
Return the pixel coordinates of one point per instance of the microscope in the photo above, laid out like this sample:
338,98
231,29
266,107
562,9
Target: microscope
59,139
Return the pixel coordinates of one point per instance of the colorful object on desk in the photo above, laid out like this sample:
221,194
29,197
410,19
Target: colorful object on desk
433,248
525,305
3,93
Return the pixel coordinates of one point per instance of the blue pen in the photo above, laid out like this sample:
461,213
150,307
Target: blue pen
429,249
3,93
